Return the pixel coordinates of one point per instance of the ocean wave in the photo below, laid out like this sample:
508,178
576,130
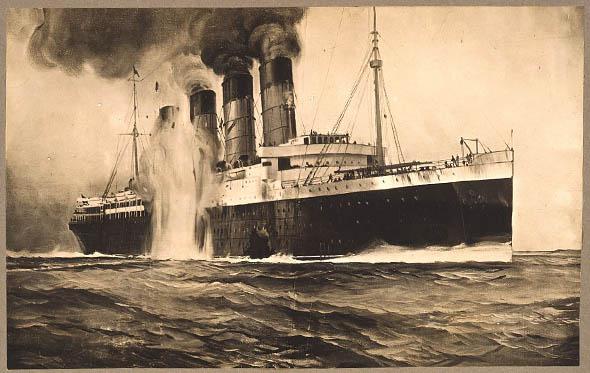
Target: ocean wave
384,253
57,254
238,312
432,254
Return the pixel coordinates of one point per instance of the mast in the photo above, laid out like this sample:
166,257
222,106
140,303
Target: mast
134,134
376,64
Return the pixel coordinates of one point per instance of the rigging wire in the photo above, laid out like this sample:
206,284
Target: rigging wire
129,119
400,154
329,67
114,171
323,88
351,125
325,148
118,150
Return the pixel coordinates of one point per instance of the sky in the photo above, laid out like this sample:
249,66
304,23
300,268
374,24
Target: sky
449,72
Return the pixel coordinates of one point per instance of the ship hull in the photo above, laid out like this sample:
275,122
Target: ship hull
324,226
117,236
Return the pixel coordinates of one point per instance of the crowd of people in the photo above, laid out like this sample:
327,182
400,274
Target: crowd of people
456,161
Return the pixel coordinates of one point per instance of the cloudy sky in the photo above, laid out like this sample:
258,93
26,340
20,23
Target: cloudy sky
449,72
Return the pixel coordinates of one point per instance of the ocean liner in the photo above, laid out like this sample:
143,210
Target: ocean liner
317,195
115,223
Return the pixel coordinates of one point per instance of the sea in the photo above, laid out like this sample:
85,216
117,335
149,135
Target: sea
388,307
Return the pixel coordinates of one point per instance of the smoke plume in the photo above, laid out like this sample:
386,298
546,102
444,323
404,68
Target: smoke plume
177,47
232,38
110,41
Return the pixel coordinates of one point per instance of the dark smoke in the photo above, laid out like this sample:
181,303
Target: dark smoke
232,38
110,41
273,40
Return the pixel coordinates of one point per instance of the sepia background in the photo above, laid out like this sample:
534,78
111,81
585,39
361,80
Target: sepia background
450,72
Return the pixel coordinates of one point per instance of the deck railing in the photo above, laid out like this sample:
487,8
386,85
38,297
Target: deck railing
411,167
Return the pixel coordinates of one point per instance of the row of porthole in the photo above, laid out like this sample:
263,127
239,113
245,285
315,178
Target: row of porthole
336,187
245,229
388,200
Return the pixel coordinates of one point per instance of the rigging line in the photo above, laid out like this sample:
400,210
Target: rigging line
329,67
499,135
400,154
348,102
484,146
117,149
343,113
346,106
114,171
363,91
353,122
326,147
128,113
362,67
299,119
360,72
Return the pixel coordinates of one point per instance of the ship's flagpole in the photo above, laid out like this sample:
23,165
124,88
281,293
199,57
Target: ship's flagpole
376,64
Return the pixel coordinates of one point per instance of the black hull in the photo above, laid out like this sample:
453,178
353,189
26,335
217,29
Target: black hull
437,214
124,236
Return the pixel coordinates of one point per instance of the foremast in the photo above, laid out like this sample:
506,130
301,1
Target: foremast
376,63
134,182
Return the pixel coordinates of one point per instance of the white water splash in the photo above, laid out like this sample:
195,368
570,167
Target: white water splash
384,253
177,169
57,254
484,252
